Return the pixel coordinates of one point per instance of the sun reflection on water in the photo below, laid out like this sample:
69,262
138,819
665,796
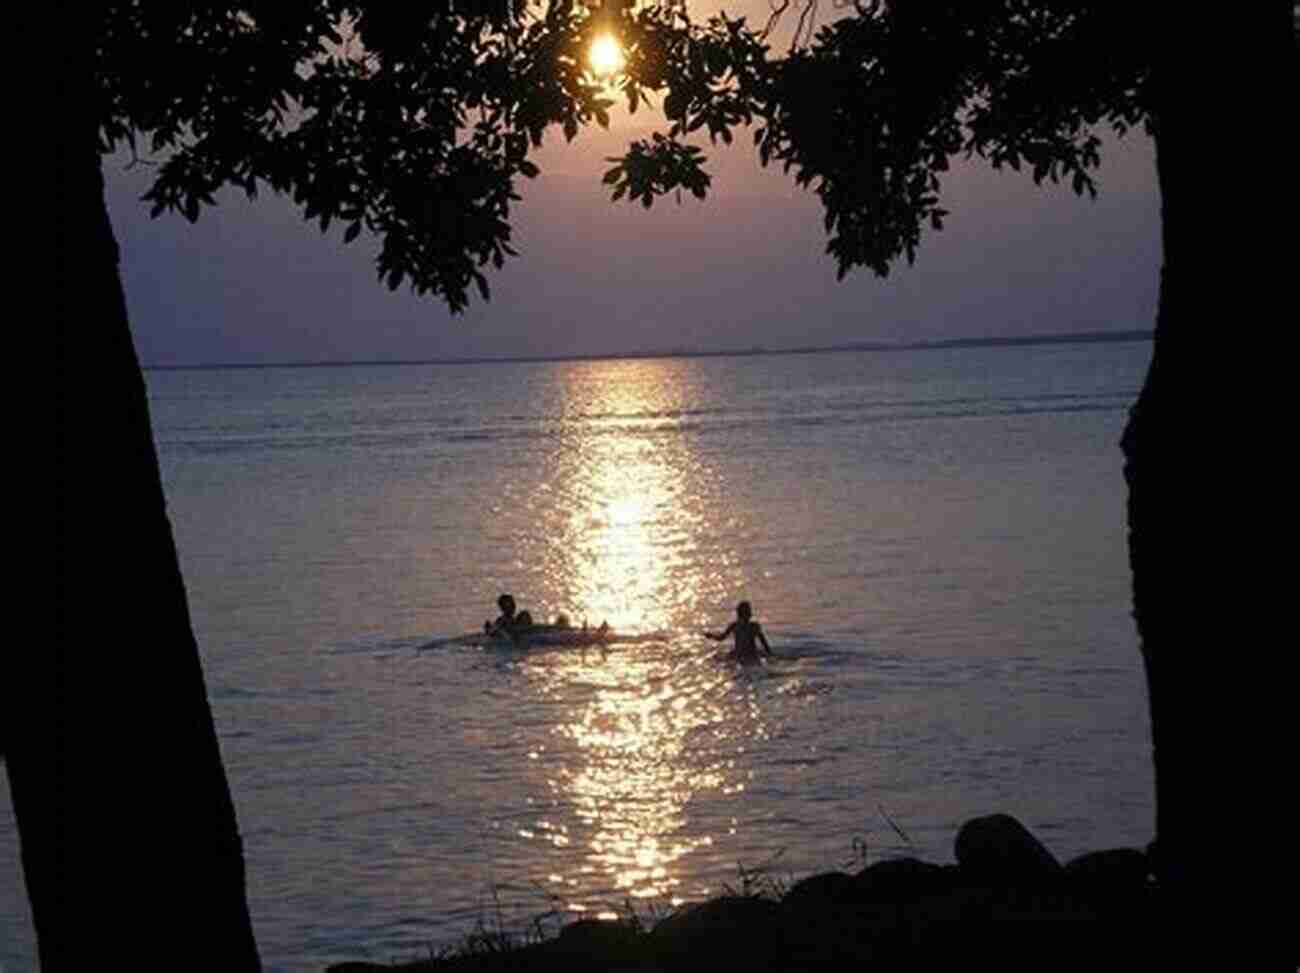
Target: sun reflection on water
635,777
630,527
634,539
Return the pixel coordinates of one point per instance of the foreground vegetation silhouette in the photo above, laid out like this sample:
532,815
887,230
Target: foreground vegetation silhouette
1007,904
414,123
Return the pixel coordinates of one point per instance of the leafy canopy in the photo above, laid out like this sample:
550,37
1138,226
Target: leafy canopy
869,110
414,121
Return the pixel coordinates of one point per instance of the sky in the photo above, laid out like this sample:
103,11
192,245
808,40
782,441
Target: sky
253,283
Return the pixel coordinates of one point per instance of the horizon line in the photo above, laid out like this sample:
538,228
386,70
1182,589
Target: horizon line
1076,337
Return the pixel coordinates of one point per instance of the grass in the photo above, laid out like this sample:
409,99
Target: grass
955,919
494,936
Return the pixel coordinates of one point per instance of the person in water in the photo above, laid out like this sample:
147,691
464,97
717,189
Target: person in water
519,624
508,620
748,635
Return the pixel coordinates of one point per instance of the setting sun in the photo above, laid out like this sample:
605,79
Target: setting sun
605,56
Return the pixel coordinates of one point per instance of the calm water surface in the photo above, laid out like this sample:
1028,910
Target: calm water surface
932,539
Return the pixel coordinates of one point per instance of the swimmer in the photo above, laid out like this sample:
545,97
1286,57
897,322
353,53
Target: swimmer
748,635
507,621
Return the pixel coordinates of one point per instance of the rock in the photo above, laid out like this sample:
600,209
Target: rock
999,849
820,892
898,880
597,938
824,926
737,930
837,921
1111,874
723,915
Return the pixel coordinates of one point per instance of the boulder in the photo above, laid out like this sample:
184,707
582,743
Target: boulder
900,880
597,938
823,926
1115,874
998,849
733,929
822,891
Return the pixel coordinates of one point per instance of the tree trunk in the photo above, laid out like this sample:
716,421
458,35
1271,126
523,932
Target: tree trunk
129,838
1195,451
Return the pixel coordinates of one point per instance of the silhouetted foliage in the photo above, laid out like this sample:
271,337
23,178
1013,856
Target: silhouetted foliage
416,122
870,114
411,121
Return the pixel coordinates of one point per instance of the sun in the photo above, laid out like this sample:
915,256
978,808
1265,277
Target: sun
605,56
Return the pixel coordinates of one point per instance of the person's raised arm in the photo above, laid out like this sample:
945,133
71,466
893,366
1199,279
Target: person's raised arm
719,636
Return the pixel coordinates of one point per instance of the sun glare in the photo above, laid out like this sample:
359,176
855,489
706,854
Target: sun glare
605,56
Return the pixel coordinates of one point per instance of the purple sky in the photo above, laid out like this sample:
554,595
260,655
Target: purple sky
251,282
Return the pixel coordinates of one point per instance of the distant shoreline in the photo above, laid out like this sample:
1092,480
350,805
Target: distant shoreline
1074,338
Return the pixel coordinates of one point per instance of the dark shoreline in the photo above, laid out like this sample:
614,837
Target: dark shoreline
1007,905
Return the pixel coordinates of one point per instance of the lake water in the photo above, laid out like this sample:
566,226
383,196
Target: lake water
933,540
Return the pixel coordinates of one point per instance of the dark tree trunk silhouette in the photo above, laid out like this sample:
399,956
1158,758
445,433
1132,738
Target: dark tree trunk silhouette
1196,448
129,838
